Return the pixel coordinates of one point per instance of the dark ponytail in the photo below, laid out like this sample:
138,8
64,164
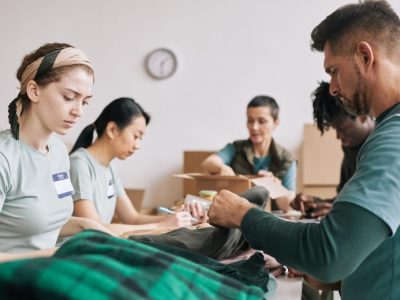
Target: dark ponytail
50,75
13,118
121,111
85,139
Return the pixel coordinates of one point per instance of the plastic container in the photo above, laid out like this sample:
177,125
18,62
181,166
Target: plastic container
207,194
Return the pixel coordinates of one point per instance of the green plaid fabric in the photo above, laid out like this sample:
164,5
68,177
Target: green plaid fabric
93,265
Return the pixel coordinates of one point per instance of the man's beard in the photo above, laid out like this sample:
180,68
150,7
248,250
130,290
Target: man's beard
359,104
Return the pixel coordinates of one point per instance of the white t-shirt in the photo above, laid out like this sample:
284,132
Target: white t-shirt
35,194
95,182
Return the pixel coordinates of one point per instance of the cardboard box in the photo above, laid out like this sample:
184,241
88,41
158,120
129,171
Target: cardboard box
322,191
321,157
235,184
320,162
192,161
136,196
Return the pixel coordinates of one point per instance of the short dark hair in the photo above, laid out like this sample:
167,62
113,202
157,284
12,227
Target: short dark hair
327,108
265,101
122,111
373,20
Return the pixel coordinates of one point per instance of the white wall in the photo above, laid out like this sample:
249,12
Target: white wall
228,51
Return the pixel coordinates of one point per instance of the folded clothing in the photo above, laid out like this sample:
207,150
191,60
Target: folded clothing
213,242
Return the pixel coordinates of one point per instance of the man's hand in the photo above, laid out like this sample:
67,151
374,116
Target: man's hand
316,284
228,209
303,202
309,207
320,209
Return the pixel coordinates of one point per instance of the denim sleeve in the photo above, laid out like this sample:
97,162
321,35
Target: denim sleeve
289,179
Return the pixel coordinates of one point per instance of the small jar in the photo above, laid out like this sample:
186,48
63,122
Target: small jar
207,194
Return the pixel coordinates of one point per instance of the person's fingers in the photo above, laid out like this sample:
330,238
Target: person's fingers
292,273
191,209
301,207
265,173
324,205
199,211
320,213
277,180
307,199
211,212
181,208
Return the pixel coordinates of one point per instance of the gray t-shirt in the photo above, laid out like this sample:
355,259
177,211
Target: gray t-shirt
35,194
95,182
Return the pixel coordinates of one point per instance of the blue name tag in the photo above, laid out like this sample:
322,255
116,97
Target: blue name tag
63,184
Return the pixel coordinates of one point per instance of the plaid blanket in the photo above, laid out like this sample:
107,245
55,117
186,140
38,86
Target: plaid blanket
93,265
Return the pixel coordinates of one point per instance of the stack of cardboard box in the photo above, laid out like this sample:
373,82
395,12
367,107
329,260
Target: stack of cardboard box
320,162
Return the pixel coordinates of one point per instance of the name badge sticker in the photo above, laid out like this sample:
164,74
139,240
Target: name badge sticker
110,189
63,184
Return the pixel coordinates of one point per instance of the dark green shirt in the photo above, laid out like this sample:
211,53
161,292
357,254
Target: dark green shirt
358,242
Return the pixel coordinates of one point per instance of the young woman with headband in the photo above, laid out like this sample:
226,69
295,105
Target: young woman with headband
35,190
98,191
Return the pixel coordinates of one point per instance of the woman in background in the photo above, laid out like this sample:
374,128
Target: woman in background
98,190
259,154
56,81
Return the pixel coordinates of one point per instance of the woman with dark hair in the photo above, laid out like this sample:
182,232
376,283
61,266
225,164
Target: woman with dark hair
56,81
98,191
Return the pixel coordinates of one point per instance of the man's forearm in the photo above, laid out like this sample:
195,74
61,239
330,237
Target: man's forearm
320,250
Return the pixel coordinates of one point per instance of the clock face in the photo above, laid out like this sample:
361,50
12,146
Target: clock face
161,63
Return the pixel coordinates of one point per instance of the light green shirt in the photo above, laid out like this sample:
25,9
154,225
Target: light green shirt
35,194
95,182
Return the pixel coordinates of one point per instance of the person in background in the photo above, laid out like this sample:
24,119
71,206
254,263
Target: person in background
350,129
259,154
357,242
98,191
56,81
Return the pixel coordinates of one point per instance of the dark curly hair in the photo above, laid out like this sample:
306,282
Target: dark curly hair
327,108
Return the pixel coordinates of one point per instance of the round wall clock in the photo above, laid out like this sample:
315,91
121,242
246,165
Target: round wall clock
161,63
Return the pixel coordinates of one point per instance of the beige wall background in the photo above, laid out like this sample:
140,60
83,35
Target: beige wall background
228,51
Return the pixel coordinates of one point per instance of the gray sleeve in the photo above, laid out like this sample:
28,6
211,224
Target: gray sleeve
4,179
119,189
81,179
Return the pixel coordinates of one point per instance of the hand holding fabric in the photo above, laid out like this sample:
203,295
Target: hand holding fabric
228,209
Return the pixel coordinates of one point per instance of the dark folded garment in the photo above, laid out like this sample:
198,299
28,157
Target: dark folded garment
252,271
215,242
204,245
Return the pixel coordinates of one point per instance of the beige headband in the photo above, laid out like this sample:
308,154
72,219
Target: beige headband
66,57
